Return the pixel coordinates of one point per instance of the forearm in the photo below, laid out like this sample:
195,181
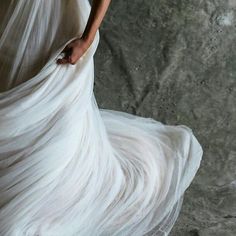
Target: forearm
97,13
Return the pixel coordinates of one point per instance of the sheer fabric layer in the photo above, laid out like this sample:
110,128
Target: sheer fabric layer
68,168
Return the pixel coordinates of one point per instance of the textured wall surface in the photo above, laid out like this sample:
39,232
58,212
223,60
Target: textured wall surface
175,61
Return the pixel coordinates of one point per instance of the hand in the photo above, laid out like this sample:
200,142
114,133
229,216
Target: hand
74,50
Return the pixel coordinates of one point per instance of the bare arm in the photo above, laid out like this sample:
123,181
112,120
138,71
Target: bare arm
98,11
74,50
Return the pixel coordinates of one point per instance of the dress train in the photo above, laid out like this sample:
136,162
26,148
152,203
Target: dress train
68,168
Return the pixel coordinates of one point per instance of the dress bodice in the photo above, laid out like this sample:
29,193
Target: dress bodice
30,32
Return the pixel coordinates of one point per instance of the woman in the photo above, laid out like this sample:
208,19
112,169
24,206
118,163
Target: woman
68,168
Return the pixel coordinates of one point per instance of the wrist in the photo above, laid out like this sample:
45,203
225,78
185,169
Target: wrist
87,38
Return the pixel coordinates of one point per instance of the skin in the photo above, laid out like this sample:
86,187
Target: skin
75,49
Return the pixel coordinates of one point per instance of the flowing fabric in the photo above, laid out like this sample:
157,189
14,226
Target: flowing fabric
68,168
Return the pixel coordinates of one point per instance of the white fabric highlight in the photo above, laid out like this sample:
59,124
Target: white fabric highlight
68,168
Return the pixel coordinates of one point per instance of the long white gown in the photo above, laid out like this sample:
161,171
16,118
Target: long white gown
68,168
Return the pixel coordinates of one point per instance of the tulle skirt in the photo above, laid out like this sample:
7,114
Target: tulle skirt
67,167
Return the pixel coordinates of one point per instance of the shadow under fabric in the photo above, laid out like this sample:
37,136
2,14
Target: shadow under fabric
68,168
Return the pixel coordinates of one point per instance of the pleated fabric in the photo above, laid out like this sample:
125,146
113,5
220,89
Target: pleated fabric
67,167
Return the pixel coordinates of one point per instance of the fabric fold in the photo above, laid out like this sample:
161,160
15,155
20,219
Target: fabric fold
68,167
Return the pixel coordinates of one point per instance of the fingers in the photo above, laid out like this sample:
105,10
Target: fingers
62,61
67,60
72,53
67,55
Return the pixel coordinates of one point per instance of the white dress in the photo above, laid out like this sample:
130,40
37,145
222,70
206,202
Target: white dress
68,168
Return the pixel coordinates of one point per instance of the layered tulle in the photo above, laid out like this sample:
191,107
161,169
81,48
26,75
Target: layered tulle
68,168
